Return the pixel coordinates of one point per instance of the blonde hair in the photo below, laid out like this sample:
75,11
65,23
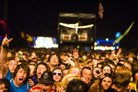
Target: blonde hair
67,79
123,69
73,67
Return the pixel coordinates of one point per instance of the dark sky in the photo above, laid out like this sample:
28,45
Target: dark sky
40,17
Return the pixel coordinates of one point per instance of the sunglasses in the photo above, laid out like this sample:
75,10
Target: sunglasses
54,73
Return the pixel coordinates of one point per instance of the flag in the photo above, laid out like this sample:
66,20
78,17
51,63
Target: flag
27,37
122,36
22,34
101,10
4,28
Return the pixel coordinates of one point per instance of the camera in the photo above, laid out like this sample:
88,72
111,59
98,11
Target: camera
97,71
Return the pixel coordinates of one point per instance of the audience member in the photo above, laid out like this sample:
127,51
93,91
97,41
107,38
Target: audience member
45,83
4,85
76,85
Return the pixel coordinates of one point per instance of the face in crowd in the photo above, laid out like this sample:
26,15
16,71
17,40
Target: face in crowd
75,55
57,75
107,69
54,60
12,65
106,83
40,70
20,77
87,74
32,69
45,87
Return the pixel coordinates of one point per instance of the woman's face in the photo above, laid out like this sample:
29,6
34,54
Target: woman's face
106,83
57,75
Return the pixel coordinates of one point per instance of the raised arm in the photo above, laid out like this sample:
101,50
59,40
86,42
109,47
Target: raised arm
3,56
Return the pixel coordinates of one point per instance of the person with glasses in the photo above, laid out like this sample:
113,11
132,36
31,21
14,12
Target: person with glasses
57,76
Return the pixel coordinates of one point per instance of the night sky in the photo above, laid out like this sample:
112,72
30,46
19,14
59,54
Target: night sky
40,17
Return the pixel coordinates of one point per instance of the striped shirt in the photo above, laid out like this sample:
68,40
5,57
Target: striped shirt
36,88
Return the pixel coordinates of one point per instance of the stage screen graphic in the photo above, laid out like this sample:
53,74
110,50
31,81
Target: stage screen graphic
45,42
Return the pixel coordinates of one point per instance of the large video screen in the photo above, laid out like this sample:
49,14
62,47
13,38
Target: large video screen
45,42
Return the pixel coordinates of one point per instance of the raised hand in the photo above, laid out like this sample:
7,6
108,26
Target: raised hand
5,40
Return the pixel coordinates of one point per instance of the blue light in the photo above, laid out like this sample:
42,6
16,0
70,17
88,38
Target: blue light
0,37
118,34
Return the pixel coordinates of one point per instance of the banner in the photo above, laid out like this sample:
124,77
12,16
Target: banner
101,10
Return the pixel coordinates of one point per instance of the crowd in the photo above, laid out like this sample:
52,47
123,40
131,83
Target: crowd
54,70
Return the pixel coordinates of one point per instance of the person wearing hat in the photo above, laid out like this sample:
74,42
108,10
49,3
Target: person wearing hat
45,83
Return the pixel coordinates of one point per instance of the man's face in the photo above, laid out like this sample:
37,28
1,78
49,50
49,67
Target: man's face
12,65
54,60
106,83
20,77
106,69
57,75
45,87
87,74
75,55
40,70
